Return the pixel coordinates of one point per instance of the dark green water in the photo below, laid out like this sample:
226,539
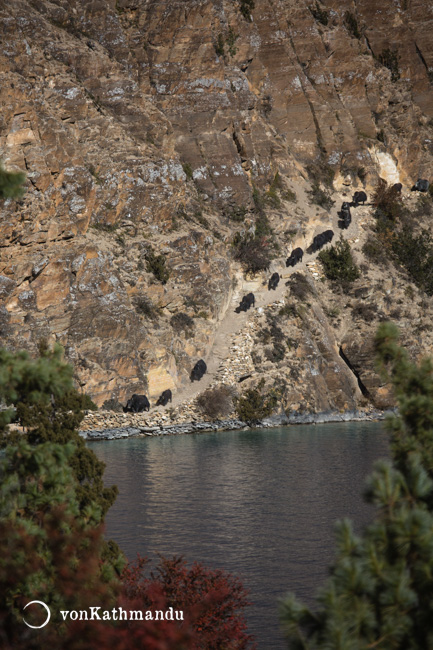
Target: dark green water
260,504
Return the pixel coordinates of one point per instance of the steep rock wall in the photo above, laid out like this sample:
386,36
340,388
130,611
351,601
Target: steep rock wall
141,123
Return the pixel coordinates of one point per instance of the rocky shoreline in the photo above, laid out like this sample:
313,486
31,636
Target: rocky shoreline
133,431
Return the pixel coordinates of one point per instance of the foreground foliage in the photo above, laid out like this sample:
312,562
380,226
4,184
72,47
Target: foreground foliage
50,409
380,591
50,548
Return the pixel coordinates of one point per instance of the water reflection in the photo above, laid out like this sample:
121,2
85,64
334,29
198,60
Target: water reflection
261,504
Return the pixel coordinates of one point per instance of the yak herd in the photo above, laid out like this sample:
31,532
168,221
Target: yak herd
139,403
344,221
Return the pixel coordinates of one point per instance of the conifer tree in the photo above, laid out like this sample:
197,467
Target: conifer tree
50,409
380,592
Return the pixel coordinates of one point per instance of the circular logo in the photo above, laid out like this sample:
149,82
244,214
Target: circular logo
39,602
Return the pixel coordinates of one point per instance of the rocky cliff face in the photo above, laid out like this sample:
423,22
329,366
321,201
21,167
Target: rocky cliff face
146,127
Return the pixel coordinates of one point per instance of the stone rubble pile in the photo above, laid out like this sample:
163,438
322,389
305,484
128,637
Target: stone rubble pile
238,362
171,430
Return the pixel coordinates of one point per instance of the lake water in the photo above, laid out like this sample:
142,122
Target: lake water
260,504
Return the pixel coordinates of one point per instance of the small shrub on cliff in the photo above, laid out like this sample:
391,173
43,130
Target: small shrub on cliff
373,250
389,58
216,402
321,172
181,322
254,405
319,14
415,253
246,6
146,307
271,196
338,263
231,39
253,253
366,311
320,197
423,207
188,170
289,195
299,287
276,353
11,184
289,310
235,213
273,333
352,24
156,264
112,404
219,46
388,204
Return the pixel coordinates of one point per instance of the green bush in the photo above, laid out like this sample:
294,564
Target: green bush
219,47
366,311
156,264
216,402
188,170
320,197
373,249
338,263
253,405
235,213
182,322
389,58
11,184
415,253
50,410
276,353
263,227
289,195
389,206
299,286
112,404
246,7
254,254
144,306
352,24
259,200
231,39
319,14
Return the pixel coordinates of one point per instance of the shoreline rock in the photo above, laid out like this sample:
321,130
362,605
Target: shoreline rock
116,433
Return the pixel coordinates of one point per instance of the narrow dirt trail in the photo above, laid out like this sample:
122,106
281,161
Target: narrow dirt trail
231,323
